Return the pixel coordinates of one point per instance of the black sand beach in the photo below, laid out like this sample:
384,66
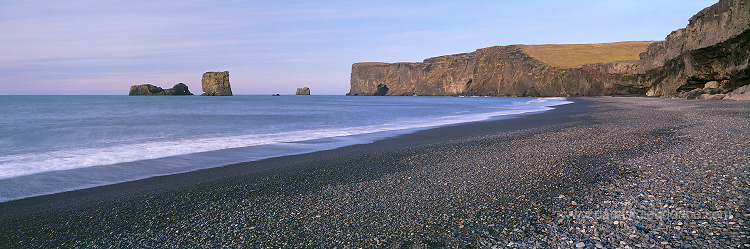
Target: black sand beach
602,172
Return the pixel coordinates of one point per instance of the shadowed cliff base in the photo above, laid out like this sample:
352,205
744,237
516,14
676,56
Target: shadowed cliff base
713,47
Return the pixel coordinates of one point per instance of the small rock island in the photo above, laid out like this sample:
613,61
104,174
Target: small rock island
148,89
216,84
303,91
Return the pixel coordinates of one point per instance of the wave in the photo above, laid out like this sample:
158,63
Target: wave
34,174
33,163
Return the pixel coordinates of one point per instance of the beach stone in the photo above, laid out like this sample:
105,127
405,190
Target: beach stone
580,245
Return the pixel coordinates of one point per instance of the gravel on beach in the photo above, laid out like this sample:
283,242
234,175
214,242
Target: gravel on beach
604,172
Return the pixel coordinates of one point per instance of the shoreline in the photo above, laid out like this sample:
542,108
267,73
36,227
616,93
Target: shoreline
150,184
128,167
502,182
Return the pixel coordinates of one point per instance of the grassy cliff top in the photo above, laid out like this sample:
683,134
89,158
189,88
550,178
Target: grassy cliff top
576,55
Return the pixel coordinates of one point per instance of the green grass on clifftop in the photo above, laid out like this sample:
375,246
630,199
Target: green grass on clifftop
576,55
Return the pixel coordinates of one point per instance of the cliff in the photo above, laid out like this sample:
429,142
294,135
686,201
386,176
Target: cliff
715,46
506,71
148,89
216,84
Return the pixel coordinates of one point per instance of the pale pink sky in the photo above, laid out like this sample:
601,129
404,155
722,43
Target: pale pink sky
103,47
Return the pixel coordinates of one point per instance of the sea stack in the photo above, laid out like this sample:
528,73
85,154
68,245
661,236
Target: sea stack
148,89
216,84
303,91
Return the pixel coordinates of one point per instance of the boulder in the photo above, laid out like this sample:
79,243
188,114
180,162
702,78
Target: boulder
741,93
711,96
303,91
216,84
711,85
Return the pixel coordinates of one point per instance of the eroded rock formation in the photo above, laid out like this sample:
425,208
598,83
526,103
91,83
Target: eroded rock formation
303,91
216,84
148,89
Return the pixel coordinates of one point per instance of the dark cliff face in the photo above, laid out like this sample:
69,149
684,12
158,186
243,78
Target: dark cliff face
713,47
493,71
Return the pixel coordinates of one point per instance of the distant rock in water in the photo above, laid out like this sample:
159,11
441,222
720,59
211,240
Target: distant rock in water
180,89
148,89
216,84
303,91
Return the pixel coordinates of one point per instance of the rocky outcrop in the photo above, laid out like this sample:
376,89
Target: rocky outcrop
715,46
741,93
148,89
494,71
216,84
303,91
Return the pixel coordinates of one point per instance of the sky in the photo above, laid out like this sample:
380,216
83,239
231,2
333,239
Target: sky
102,47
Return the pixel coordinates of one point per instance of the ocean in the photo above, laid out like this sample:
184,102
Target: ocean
52,144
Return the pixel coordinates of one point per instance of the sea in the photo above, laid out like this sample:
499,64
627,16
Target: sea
52,144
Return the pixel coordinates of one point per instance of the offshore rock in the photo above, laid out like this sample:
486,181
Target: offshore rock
715,46
180,89
303,91
216,84
148,89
